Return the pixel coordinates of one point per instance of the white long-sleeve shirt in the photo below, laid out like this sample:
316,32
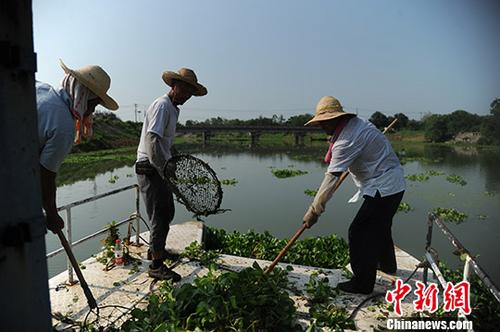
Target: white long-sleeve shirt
363,150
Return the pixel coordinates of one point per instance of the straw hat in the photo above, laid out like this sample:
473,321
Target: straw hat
328,108
185,75
97,80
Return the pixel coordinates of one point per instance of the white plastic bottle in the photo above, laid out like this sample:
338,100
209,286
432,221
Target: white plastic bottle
118,252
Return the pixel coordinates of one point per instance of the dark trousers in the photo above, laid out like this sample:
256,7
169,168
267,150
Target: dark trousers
160,207
370,239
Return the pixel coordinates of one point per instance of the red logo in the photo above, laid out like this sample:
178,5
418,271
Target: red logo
455,297
398,295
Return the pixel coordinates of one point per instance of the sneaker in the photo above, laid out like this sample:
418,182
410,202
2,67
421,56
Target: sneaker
352,287
163,273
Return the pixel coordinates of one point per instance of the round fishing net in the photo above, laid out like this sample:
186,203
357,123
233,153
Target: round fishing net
195,184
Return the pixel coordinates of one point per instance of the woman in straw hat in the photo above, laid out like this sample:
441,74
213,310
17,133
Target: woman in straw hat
358,146
157,136
64,116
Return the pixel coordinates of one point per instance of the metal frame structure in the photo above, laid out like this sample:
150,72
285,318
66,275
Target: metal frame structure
134,216
469,265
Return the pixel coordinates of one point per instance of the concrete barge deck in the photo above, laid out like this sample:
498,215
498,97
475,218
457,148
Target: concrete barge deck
129,286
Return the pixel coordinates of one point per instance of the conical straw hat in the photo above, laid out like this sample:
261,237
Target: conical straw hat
328,108
97,80
185,75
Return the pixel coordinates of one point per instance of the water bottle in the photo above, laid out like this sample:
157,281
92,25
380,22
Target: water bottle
118,252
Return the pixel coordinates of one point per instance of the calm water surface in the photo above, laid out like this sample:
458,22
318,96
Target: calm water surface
262,202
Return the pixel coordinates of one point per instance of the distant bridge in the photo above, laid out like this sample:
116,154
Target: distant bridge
253,131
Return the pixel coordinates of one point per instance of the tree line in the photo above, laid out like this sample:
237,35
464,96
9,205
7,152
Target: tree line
436,127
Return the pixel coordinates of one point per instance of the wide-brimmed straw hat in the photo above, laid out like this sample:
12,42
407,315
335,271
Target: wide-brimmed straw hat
328,108
185,75
97,80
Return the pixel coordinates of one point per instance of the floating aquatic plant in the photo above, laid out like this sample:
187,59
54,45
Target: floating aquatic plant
418,177
286,173
249,300
310,192
457,179
421,177
229,182
450,215
404,207
113,179
327,251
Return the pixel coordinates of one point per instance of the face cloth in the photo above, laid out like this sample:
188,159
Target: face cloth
79,95
342,122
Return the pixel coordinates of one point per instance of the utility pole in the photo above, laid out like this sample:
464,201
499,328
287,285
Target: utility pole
135,112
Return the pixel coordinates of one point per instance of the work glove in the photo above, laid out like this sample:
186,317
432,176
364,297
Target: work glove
54,222
310,218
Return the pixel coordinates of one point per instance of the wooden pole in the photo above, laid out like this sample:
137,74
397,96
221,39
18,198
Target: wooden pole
86,290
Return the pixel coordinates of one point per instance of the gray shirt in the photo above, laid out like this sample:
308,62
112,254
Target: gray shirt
56,126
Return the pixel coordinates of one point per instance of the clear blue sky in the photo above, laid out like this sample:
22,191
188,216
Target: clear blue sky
279,57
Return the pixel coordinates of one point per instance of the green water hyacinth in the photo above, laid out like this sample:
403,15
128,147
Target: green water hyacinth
450,215
310,192
404,207
326,251
287,173
249,300
229,182
422,177
457,179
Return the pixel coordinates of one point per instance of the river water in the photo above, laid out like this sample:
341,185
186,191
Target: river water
260,201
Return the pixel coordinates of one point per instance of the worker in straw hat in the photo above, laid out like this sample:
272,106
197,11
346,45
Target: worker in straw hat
154,151
358,146
64,117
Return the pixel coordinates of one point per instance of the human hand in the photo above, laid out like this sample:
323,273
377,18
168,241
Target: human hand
54,222
310,218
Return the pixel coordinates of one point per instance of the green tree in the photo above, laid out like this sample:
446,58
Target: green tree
298,120
490,127
462,121
379,120
436,128
402,122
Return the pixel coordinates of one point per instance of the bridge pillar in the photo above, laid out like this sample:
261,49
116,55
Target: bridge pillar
299,138
254,136
206,136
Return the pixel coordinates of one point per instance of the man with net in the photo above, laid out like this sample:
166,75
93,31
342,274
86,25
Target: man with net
154,151
64,117
358,146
